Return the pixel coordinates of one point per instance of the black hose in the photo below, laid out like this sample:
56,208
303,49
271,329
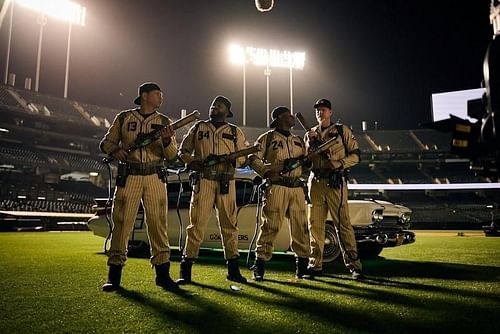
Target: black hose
181,227
257,190
341,245
178,172
109,218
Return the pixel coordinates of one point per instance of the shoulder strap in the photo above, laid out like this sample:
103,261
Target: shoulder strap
269,139
235,135
196,126
340,130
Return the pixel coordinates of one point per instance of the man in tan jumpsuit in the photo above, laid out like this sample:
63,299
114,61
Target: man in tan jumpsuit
284,196
328,189
214,185
139,180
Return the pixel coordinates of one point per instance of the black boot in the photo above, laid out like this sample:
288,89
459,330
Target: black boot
163,278
258,270
233,271
357,274
114,278
312,273
185,271
301,266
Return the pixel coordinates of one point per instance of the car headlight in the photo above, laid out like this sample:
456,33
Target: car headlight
377,215
406,217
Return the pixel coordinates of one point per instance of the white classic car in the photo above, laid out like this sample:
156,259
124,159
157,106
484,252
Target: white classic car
377,224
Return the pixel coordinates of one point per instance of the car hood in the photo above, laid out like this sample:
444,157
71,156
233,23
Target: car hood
391,209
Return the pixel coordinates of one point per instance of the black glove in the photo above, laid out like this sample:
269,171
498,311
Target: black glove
336,179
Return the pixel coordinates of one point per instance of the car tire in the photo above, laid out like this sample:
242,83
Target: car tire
331,250
369,250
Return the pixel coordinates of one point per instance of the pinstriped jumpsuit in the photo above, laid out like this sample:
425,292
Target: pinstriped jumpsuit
324,199
202,140
281,202
148,188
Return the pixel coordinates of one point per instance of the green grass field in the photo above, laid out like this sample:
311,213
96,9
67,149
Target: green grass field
50,282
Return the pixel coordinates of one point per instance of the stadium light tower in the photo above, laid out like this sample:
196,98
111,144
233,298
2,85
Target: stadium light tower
270,59
64,10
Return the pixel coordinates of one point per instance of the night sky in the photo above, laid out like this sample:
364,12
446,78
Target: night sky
376,60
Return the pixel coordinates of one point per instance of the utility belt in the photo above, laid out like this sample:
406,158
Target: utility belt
147,168
138,168
223,179
335,177
289,182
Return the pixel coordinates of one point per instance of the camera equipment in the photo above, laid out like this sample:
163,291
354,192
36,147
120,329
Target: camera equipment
480,141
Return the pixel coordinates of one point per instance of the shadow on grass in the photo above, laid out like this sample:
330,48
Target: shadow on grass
196,317
412,286
215,312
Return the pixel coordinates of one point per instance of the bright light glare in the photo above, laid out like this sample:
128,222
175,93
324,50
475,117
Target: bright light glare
236,54
265,57
60,9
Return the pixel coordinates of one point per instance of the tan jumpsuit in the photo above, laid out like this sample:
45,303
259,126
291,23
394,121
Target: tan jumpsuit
281,201
202,140
146,188
334,200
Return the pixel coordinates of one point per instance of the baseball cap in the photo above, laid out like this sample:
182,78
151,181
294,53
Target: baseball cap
323,103
146,88
226,102
276,113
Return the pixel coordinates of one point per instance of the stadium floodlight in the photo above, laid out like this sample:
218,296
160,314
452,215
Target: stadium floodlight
271,58
275,58
64,10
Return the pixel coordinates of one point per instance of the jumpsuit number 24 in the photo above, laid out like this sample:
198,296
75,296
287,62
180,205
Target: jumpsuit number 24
276,144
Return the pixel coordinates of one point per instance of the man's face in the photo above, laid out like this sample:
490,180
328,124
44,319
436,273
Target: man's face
218,109
153,98
287,119
323,113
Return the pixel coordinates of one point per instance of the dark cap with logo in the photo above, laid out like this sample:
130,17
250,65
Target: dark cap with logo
323,103
226,102
146,88
276,113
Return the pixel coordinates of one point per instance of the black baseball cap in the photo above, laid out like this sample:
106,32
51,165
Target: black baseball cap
146,88
323,103
276,113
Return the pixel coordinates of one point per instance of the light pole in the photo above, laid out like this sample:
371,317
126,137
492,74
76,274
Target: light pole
291,89
267,73
66,73
244,94
42,21
8,42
